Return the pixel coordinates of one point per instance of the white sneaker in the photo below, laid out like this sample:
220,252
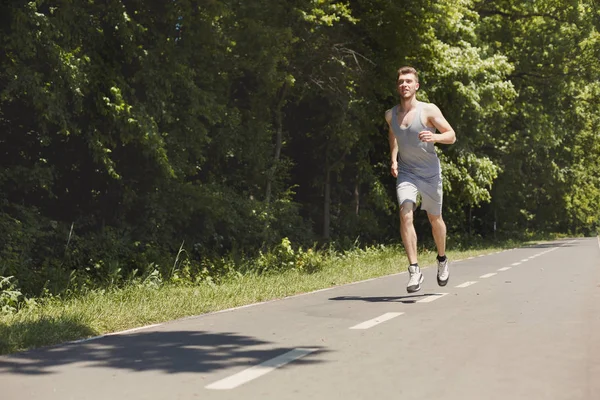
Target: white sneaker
416,278
443,272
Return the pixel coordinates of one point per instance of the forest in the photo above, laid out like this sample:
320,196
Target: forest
138,136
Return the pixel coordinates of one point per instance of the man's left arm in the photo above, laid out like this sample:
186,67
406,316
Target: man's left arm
435,117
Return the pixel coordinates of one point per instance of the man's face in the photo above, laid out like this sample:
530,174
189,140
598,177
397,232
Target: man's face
407,85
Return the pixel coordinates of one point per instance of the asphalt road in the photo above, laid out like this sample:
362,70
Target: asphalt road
519,324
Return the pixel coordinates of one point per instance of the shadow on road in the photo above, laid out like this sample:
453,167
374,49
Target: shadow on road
171,352
380,299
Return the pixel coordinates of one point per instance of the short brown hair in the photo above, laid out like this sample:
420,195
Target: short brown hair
407,70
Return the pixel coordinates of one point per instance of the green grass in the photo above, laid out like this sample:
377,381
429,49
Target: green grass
98,312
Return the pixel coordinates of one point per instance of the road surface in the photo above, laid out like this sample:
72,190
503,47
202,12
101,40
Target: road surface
518,324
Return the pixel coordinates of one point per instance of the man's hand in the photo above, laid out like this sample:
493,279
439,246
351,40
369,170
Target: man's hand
426,136
394,169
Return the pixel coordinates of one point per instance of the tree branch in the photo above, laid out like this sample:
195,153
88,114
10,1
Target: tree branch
534,75
513,17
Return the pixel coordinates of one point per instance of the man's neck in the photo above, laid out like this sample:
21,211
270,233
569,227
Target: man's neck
408,103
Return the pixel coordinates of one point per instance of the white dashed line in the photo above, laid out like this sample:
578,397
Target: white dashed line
504,269
515,264
259,370
488,275
376,321
466,284
432,297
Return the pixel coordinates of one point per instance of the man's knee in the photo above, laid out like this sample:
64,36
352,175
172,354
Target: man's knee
435,219
406,213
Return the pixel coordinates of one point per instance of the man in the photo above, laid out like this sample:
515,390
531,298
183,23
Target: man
415,164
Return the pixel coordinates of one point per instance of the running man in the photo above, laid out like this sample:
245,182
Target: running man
415,164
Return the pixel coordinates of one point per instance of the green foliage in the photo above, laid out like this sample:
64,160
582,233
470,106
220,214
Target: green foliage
129,128
9,295
11,298
284,257
540,148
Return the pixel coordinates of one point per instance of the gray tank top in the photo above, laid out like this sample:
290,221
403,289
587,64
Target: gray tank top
415,158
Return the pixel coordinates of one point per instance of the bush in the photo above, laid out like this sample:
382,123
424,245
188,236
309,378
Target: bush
283,257
10,296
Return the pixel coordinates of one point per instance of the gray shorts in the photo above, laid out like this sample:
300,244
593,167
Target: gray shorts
407,189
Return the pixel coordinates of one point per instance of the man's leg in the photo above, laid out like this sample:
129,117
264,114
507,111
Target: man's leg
407,231
438,228
409,238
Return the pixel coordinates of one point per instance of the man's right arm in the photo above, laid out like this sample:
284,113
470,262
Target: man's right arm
393,145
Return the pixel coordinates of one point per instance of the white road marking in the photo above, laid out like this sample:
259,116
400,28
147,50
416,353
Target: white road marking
375,321
466,284
85,340
515,264
259,370
432,297
488,275
113,334
525,260
470,258
134,329
504,269
598,241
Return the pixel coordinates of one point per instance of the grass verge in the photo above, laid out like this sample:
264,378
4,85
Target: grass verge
104,311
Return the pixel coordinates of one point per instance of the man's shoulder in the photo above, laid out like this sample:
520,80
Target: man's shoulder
388,114
390,110
430,108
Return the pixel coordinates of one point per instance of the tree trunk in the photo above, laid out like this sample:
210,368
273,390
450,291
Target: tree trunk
356,196
327,204
278,142
495,222
470,221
